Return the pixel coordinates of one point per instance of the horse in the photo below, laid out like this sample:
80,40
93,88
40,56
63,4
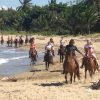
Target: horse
48,59
20,42
89,65
11,42
26,40
33,56
16,43
2,40
61,52
8,42
70,67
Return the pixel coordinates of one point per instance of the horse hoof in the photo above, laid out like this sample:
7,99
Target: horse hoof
66,82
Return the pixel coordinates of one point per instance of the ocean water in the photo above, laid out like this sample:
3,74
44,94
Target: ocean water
14,61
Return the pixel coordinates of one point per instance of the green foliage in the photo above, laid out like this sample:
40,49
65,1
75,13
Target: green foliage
61,19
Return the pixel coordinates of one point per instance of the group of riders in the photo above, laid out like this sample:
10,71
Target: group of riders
88,49
18,41
49,48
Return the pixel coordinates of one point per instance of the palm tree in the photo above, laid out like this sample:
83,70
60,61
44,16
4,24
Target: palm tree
25,4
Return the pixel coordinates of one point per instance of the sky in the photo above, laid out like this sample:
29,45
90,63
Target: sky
16,3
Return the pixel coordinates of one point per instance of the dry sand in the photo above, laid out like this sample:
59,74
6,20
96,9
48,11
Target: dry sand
50,85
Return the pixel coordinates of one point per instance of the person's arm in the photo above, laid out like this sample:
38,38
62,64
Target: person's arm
79,51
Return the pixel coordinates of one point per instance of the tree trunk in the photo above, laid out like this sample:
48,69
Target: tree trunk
89,31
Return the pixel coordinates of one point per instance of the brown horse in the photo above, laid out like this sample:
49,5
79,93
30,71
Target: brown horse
90,65
70,67
61,53
2,40
48,59
33,56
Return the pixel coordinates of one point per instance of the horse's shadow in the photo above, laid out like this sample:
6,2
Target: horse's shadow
56,71
50,84
32,70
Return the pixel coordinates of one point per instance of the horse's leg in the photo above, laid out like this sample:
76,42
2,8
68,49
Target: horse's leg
85,75
62,58
66,78
48,65
71,76
74,76
91,72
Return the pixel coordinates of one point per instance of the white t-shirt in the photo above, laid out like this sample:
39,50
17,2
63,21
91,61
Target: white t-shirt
62,42
49,47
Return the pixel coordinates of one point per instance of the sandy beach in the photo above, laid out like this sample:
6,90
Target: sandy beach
50,85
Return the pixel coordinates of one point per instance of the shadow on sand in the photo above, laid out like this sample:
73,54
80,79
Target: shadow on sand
50,84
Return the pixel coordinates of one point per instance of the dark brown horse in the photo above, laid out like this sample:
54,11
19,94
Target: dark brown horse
90,66
8,42
16,42
26,40
61,53
33,56
2,40
70,67
48,59
20,41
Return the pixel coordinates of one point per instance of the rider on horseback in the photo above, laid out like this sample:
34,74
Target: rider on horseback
49,48
90,52
62,42
32,46
51,42
71,47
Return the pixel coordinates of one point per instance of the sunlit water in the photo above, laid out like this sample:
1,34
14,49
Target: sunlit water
14,61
